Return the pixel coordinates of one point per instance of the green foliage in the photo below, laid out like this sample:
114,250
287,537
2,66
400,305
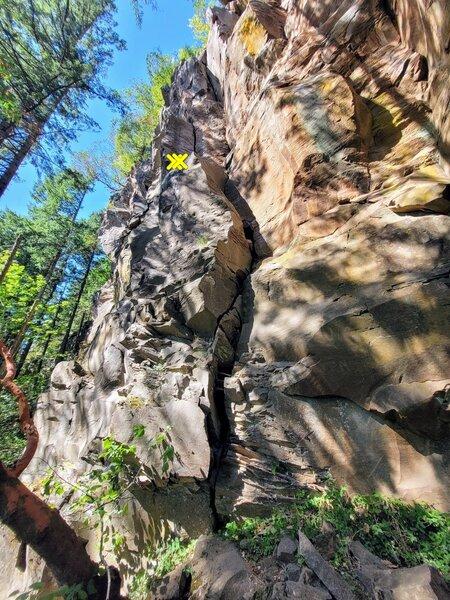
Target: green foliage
12,442
72,592
140,585
135,132
198,23
53,257
104,492
9,105
107,485
169,554
202,241
166,450
17,291
53,55
138,431
405,534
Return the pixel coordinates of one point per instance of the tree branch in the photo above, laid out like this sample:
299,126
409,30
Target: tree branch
25,420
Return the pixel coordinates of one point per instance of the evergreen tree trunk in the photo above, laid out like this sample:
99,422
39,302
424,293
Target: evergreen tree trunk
48,340
34,131
31,313
28,345
79,332
65,341
48,278
11,257
6,130
24,355
19,156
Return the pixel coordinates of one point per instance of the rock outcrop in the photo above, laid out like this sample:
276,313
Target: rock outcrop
218,570
281,308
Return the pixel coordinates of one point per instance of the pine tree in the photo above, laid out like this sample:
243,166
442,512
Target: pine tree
52,56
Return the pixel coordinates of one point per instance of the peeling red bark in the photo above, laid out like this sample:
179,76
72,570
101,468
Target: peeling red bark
34,522
26,422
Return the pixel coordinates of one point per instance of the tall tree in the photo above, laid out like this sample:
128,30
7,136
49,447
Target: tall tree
199,22
52,54
10,258
134,133
58,202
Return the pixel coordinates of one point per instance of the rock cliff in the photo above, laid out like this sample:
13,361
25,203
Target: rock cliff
281,307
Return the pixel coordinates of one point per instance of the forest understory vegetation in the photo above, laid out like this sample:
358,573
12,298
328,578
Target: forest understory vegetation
405,534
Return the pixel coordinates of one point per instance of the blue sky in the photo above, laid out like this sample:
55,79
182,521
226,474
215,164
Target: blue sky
166,29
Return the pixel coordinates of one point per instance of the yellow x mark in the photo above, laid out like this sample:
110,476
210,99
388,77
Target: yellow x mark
177,161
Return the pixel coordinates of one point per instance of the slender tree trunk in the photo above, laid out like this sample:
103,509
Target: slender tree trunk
19,156
6,130
48,340
48,278
23,356
79,332
31,313
11,257
65,341
28,345
34,132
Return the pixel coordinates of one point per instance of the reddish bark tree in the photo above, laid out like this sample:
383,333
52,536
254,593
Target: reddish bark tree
34,522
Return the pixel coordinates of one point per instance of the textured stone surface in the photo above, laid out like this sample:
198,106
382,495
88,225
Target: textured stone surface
219,571
346,174
282,305
324,571
381,579
286,549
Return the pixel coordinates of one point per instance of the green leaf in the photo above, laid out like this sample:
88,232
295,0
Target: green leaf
138,431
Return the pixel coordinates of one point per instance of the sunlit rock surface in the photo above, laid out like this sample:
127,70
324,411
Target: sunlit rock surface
282,306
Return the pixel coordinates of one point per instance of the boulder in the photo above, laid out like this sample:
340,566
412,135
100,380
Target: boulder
286,550
219,571
324,571
381,579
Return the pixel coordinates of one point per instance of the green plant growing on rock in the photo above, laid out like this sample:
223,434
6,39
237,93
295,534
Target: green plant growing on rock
405,534
202,241
169,554
103,491
159,367
140,585
35,592
161,441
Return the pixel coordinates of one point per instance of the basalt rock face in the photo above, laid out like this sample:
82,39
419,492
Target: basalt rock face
281,308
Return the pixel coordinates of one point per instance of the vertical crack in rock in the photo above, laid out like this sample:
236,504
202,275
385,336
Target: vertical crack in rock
229,326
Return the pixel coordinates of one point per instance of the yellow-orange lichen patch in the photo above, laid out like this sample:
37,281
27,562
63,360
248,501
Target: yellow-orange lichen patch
252,34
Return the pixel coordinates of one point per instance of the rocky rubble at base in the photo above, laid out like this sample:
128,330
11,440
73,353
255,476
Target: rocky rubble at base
218,571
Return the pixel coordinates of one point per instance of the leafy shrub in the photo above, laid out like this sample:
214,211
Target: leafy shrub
140,585
405,534
169,554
